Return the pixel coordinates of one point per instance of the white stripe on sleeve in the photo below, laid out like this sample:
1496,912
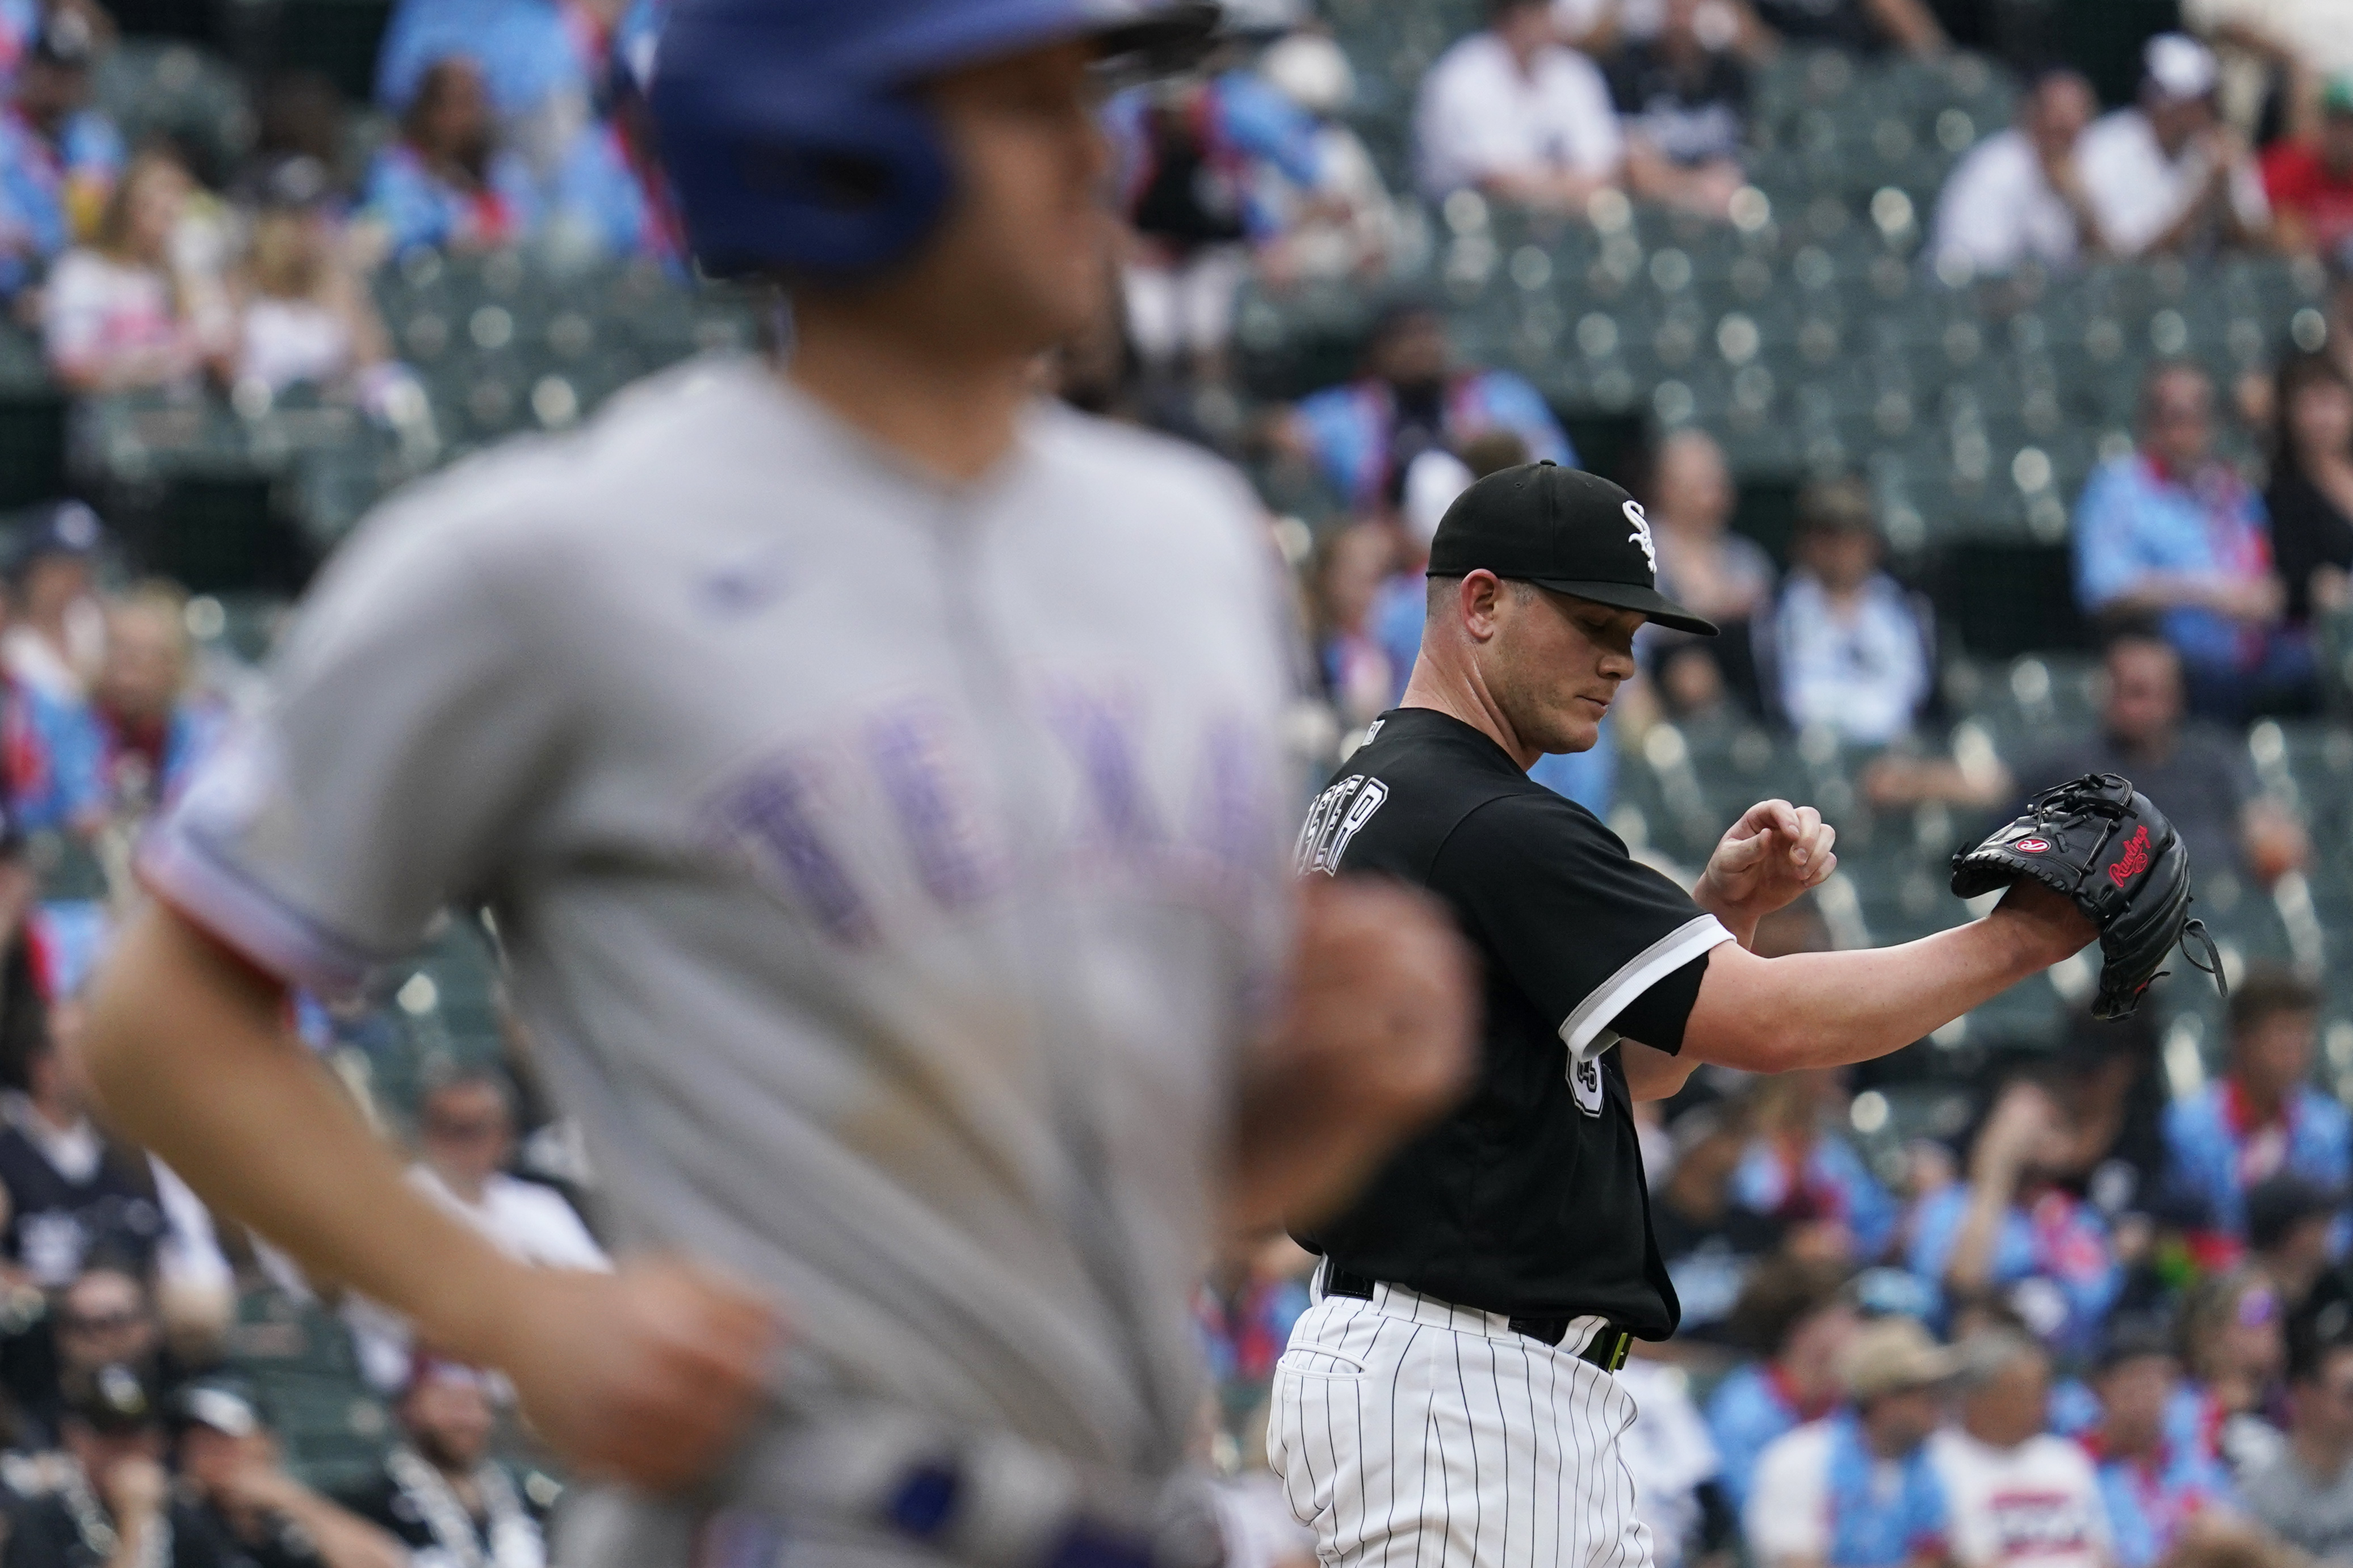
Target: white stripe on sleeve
1586,1031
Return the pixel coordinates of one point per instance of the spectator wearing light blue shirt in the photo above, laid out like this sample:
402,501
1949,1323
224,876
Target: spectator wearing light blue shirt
59,157
1845,646
2169,531
2263,1118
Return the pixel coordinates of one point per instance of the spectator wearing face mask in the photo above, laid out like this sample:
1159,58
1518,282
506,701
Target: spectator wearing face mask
445,183
2163,176
2262,1117
2012,1232
1845,646
2018,1495
1510,114
2152,1482
1410,396
1857,1490
2019,196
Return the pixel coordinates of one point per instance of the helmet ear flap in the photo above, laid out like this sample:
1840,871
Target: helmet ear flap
792,177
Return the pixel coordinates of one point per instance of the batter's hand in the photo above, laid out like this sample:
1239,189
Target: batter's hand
648,1376
1375,1039
1767,859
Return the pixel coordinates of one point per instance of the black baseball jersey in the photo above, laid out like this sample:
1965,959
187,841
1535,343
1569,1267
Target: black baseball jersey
1529,1198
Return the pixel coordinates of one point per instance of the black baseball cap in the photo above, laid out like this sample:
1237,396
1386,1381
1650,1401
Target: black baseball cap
1561,528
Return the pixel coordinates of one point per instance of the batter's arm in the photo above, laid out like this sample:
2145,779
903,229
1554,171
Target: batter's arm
1825,1009
644,1376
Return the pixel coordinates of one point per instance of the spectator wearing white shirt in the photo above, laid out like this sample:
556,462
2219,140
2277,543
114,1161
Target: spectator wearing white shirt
1510,112
2017,1494
2019,194
1846,647
2164,175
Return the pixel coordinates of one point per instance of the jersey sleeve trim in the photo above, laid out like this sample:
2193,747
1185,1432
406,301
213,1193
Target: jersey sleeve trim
1586,1031
251,921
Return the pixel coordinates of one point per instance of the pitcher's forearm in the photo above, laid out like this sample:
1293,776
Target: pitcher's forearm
189,1059
1827,1009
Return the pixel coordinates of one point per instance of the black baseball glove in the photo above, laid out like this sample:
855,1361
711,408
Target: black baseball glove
2106,846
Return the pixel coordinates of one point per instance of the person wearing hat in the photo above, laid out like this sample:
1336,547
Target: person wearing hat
2163,176
2016,1494
2152,1482
232,1473
1473,1304
56,635
440,1493
1845,646
1856,1488
113,1506
59,158
2310,180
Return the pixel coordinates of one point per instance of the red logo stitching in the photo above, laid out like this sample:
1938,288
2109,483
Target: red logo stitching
2135,860
2031,846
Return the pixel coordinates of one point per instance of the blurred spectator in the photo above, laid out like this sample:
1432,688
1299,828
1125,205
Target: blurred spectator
446,182
126,313
57,637
2234,1348
2310,182
536,59
2198,769
2106,1074
58,158
2298,44
1245,1310
1800,1169
300,124
610,188
440,1493
1411,396
2171,531
2019,196
2263,1117
105,1319
2152,1484
115,1506
465,1134
304,314
1345,225
2292,1227
2011,1232
2311,496
1855,23
234,1478
1201,161
2016,1493
1673,1464
1708,1242
2305,1490
1684,103
2163,176
152,728
72,1194
1510,112
1350,565
1795,1313
1431,484
1690,505
1845,646
1857,1490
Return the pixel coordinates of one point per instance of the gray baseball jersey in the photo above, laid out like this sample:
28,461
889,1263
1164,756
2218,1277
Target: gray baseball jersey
889,869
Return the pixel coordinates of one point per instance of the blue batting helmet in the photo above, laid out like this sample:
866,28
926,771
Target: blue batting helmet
790,137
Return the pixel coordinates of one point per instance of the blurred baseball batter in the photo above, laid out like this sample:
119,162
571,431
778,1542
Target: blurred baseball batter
875,778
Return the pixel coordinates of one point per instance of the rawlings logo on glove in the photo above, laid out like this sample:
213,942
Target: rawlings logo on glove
2139,900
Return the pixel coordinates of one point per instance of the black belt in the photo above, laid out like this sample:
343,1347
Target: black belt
1606,1350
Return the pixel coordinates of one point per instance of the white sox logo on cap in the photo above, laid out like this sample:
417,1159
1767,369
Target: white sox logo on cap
1642,535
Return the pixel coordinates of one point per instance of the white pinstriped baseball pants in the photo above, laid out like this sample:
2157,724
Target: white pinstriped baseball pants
1413,1434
